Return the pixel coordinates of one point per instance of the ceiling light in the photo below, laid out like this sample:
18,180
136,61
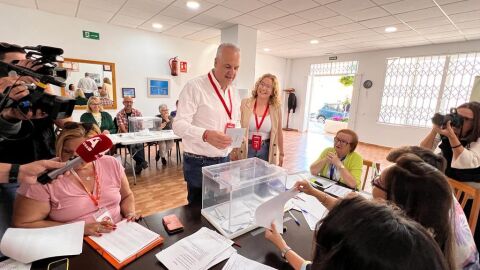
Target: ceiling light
390,29
193,5
157,25
266,50
314,41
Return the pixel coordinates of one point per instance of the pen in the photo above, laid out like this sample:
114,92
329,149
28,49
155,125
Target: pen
299,198
237,244
294,218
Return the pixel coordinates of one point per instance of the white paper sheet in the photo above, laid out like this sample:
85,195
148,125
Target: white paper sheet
237,135
272,210
311,205
222,256
195,252
238,262
338,191
28,245
128,239
14,265
293,178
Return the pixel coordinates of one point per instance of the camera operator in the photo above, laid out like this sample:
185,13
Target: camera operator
458,137
30,137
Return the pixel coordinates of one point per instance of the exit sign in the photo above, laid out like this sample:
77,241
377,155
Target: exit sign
91,35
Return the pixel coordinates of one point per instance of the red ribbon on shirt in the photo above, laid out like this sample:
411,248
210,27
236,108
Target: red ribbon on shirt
263,117
229,111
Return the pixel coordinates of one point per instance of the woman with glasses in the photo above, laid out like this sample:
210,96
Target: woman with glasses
341,162
96,115
261,116
363,235
96,192
460,145
417,185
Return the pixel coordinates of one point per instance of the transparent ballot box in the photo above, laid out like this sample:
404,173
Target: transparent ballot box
232,191
143,126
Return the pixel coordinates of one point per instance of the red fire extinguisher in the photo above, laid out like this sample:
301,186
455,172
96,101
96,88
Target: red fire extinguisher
174,66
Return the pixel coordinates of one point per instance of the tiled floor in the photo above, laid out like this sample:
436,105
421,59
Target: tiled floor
163,188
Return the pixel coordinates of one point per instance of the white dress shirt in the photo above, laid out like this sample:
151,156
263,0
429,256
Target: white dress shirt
87,84
199,109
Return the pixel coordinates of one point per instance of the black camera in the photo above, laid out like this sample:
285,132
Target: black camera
45,69
441,120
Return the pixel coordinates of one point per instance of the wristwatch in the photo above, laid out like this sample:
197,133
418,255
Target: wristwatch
13,174
285,251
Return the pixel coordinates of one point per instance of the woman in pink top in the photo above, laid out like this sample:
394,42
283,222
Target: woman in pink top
96,192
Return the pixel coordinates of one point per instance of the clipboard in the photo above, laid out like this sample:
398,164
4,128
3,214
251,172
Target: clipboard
120,264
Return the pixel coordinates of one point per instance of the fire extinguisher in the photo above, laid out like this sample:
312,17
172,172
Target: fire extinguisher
174,66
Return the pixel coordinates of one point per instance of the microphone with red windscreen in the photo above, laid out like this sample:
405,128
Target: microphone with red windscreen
90,150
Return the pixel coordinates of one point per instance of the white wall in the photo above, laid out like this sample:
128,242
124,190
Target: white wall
137,54
366,103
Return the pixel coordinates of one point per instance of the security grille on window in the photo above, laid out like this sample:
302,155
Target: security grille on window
334,68
417,87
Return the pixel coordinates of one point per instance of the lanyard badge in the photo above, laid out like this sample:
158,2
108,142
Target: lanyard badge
256,142
227,110
257,139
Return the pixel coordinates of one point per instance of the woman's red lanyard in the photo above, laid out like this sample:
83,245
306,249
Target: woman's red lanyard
95,199
229,111
257,139
259,125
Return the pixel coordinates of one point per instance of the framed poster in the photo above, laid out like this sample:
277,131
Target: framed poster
158,87
128,92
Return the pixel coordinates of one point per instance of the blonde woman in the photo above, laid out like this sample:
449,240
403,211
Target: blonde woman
97,116
107,86
80,97
261,116
95,192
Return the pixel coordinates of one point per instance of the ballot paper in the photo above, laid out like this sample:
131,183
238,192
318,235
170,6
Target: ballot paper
237,135
319,180
28,245
198,251
238,262
272,210
14,265
338,191
311,208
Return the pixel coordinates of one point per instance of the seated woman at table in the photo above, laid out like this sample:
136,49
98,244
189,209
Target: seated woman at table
96,192
96,115
341,162
422,191
80,97
164,146
361,234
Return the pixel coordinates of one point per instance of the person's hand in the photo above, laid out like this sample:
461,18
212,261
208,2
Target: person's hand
218,139
447,131
18,91
97,228
133,217
106,131
305,187
275,237
163,125
28,173
333,159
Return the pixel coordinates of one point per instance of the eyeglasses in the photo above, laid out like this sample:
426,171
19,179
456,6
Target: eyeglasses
94,104
265,85
74,125
377,183
339,141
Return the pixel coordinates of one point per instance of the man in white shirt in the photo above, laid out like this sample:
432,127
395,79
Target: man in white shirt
207,106
87,85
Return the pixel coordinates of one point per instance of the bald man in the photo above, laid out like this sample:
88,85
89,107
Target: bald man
122,122
207,106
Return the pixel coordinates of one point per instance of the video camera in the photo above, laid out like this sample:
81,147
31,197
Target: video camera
46,70
455,119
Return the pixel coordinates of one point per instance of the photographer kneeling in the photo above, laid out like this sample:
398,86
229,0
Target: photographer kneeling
458,138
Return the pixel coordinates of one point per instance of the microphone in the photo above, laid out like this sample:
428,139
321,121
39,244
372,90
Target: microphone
90,150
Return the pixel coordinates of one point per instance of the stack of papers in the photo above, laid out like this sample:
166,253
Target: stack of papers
28,245
128,241
199,251
238,262
14,265
311,209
